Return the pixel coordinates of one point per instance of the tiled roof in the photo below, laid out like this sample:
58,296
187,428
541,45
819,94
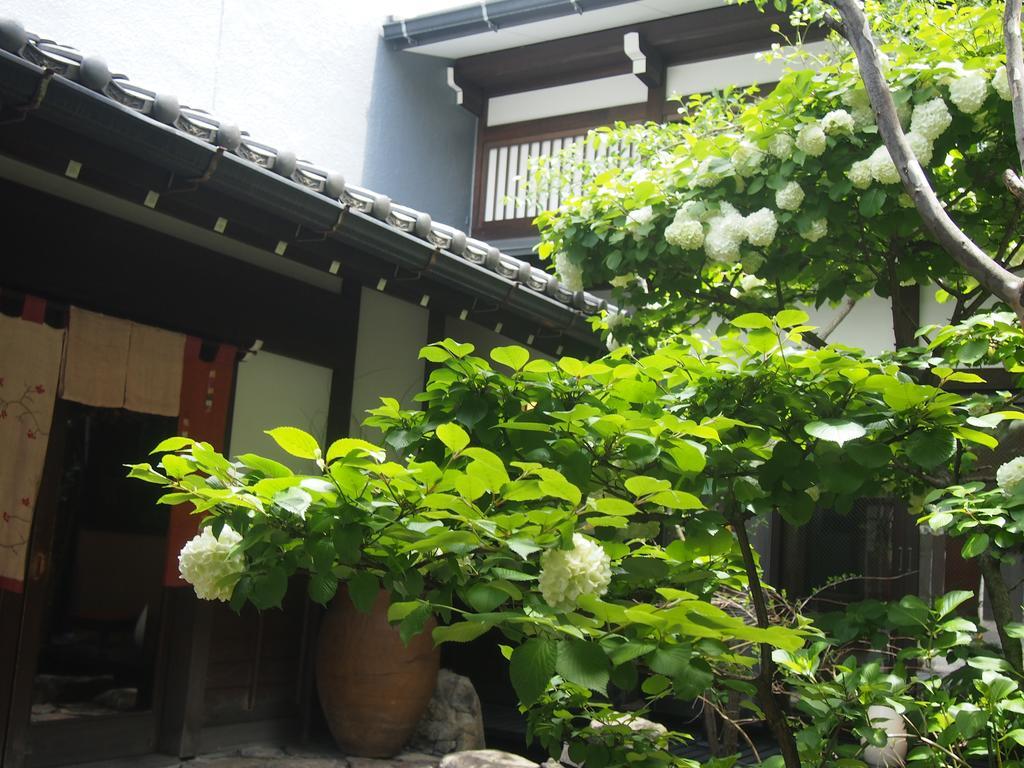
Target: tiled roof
94,74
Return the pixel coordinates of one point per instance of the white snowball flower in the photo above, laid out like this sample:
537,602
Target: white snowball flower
883,169
1001,83
817,230
811,140
751,282
568,272
1010,476
921,146
860,105
207,564
587,209
639,217
837,121
568,574
790,197
781,146
931,118
725,234
860,174
746,159
968,91
687,234
761,227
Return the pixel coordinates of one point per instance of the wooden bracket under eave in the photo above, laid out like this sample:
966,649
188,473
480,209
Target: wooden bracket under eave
466,95
648,64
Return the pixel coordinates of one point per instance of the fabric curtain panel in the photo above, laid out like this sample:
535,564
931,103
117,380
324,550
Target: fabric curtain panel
153,376
30,360
96,363
114,363
207,386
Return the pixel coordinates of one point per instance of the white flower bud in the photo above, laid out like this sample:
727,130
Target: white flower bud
811,140
790,197
568,574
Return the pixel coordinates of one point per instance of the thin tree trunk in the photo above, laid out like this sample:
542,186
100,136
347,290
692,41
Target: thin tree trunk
1002,610
770,702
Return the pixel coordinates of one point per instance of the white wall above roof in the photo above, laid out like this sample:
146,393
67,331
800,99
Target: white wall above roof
565,26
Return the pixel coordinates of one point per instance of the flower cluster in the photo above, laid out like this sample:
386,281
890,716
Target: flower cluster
968,91
639,217
761,227
568,272
568,574
726,233
685,232
883,169
817,230
1001,83
838,121
812,140
931,119
789,197
210,564
860,174
746,159
781,146
1010,476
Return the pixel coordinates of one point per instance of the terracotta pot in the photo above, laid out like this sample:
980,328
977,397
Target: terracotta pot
373,688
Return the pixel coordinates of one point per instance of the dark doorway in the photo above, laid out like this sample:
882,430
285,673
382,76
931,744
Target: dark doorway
89,643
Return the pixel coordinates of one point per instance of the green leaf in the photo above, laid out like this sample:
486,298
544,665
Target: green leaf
147,474
322,588
976,544
348,445
348,542
931,447
788,318
641,485
484,598
531,668
172,444
295,442
752,320
514,357
869,454
363,588
461,632
266,467
453,436
583,663
835,430
268,589
676,500
948,602
872,201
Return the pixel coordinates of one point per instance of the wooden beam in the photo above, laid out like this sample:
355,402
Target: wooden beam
647,62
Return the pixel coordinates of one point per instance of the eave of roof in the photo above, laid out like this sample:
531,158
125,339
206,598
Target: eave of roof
483,17
56,84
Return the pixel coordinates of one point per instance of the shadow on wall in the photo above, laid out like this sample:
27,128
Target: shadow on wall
419,143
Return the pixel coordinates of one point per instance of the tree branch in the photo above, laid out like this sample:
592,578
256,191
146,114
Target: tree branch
996,280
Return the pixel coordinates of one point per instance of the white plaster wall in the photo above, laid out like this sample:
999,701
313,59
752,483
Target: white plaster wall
391,334
310,75
868,326
276,391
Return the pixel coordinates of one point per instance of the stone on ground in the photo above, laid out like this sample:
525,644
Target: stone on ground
453,721
485,758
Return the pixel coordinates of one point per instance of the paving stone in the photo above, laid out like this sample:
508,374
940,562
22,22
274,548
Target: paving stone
485,758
